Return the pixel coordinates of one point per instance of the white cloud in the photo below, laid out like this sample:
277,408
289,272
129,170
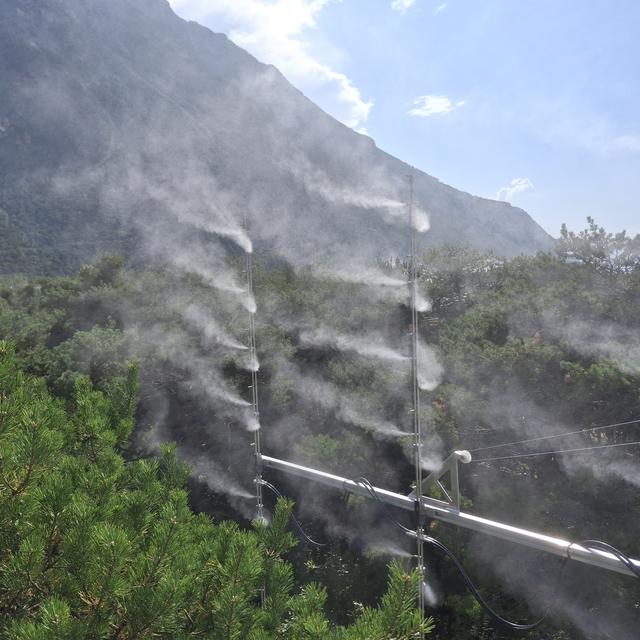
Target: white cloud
401,5
426,106
440,8
273,31
517,185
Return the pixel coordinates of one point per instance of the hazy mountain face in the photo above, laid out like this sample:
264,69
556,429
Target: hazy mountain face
125,128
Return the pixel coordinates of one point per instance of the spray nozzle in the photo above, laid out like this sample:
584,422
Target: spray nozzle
463,456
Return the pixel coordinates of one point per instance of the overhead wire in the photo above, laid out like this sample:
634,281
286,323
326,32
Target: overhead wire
556,452
558,435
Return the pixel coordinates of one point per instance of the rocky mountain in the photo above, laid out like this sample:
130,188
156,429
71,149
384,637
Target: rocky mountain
125,128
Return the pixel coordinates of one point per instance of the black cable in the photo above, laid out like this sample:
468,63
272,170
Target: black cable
496,617
371,490
598,545
306,538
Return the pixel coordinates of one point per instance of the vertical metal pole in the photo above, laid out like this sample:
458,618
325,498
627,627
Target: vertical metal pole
417,432
254,389
253,359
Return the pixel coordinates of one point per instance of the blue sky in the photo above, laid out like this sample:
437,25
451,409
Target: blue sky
532,101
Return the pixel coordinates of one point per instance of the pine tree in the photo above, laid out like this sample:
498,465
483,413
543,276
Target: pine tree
94,547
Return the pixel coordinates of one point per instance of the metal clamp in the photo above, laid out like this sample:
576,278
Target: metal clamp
449,466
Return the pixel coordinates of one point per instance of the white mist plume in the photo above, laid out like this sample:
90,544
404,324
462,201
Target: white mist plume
205,470
609,340
372,346
201,320
209,265
210,331
433,453
361,275
367,196
251,422
237,234
249,302
196,261
603,464
388,549
331,398
422,304
250,362
350,414
379,285
430,371
204,380
431,592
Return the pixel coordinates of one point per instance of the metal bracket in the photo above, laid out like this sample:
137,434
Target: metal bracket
258,463
449,466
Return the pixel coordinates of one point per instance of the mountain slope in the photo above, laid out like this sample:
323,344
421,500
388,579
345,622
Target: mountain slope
125,128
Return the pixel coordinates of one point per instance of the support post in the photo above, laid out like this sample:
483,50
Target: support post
417,432
449,466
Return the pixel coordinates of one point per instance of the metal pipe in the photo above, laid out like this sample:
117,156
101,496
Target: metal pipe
328,479
253,364
446,513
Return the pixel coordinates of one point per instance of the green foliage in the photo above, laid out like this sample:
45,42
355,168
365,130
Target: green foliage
529,345
608,253
397,617
95,547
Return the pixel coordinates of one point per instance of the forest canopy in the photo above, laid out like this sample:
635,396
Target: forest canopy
109,531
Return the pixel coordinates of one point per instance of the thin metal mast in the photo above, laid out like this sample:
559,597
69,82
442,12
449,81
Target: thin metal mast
253,365
417,431
253,356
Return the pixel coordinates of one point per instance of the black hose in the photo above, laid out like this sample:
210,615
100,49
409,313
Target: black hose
496,617
298,527
597,545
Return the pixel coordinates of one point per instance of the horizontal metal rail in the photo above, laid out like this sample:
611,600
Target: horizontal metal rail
443,511
388,497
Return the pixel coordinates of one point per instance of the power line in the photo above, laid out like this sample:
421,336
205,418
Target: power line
559,435
551,453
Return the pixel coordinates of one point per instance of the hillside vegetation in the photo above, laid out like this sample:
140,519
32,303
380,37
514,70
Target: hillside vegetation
126,129
101,539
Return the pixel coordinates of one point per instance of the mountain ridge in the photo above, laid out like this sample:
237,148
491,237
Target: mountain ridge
124,122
